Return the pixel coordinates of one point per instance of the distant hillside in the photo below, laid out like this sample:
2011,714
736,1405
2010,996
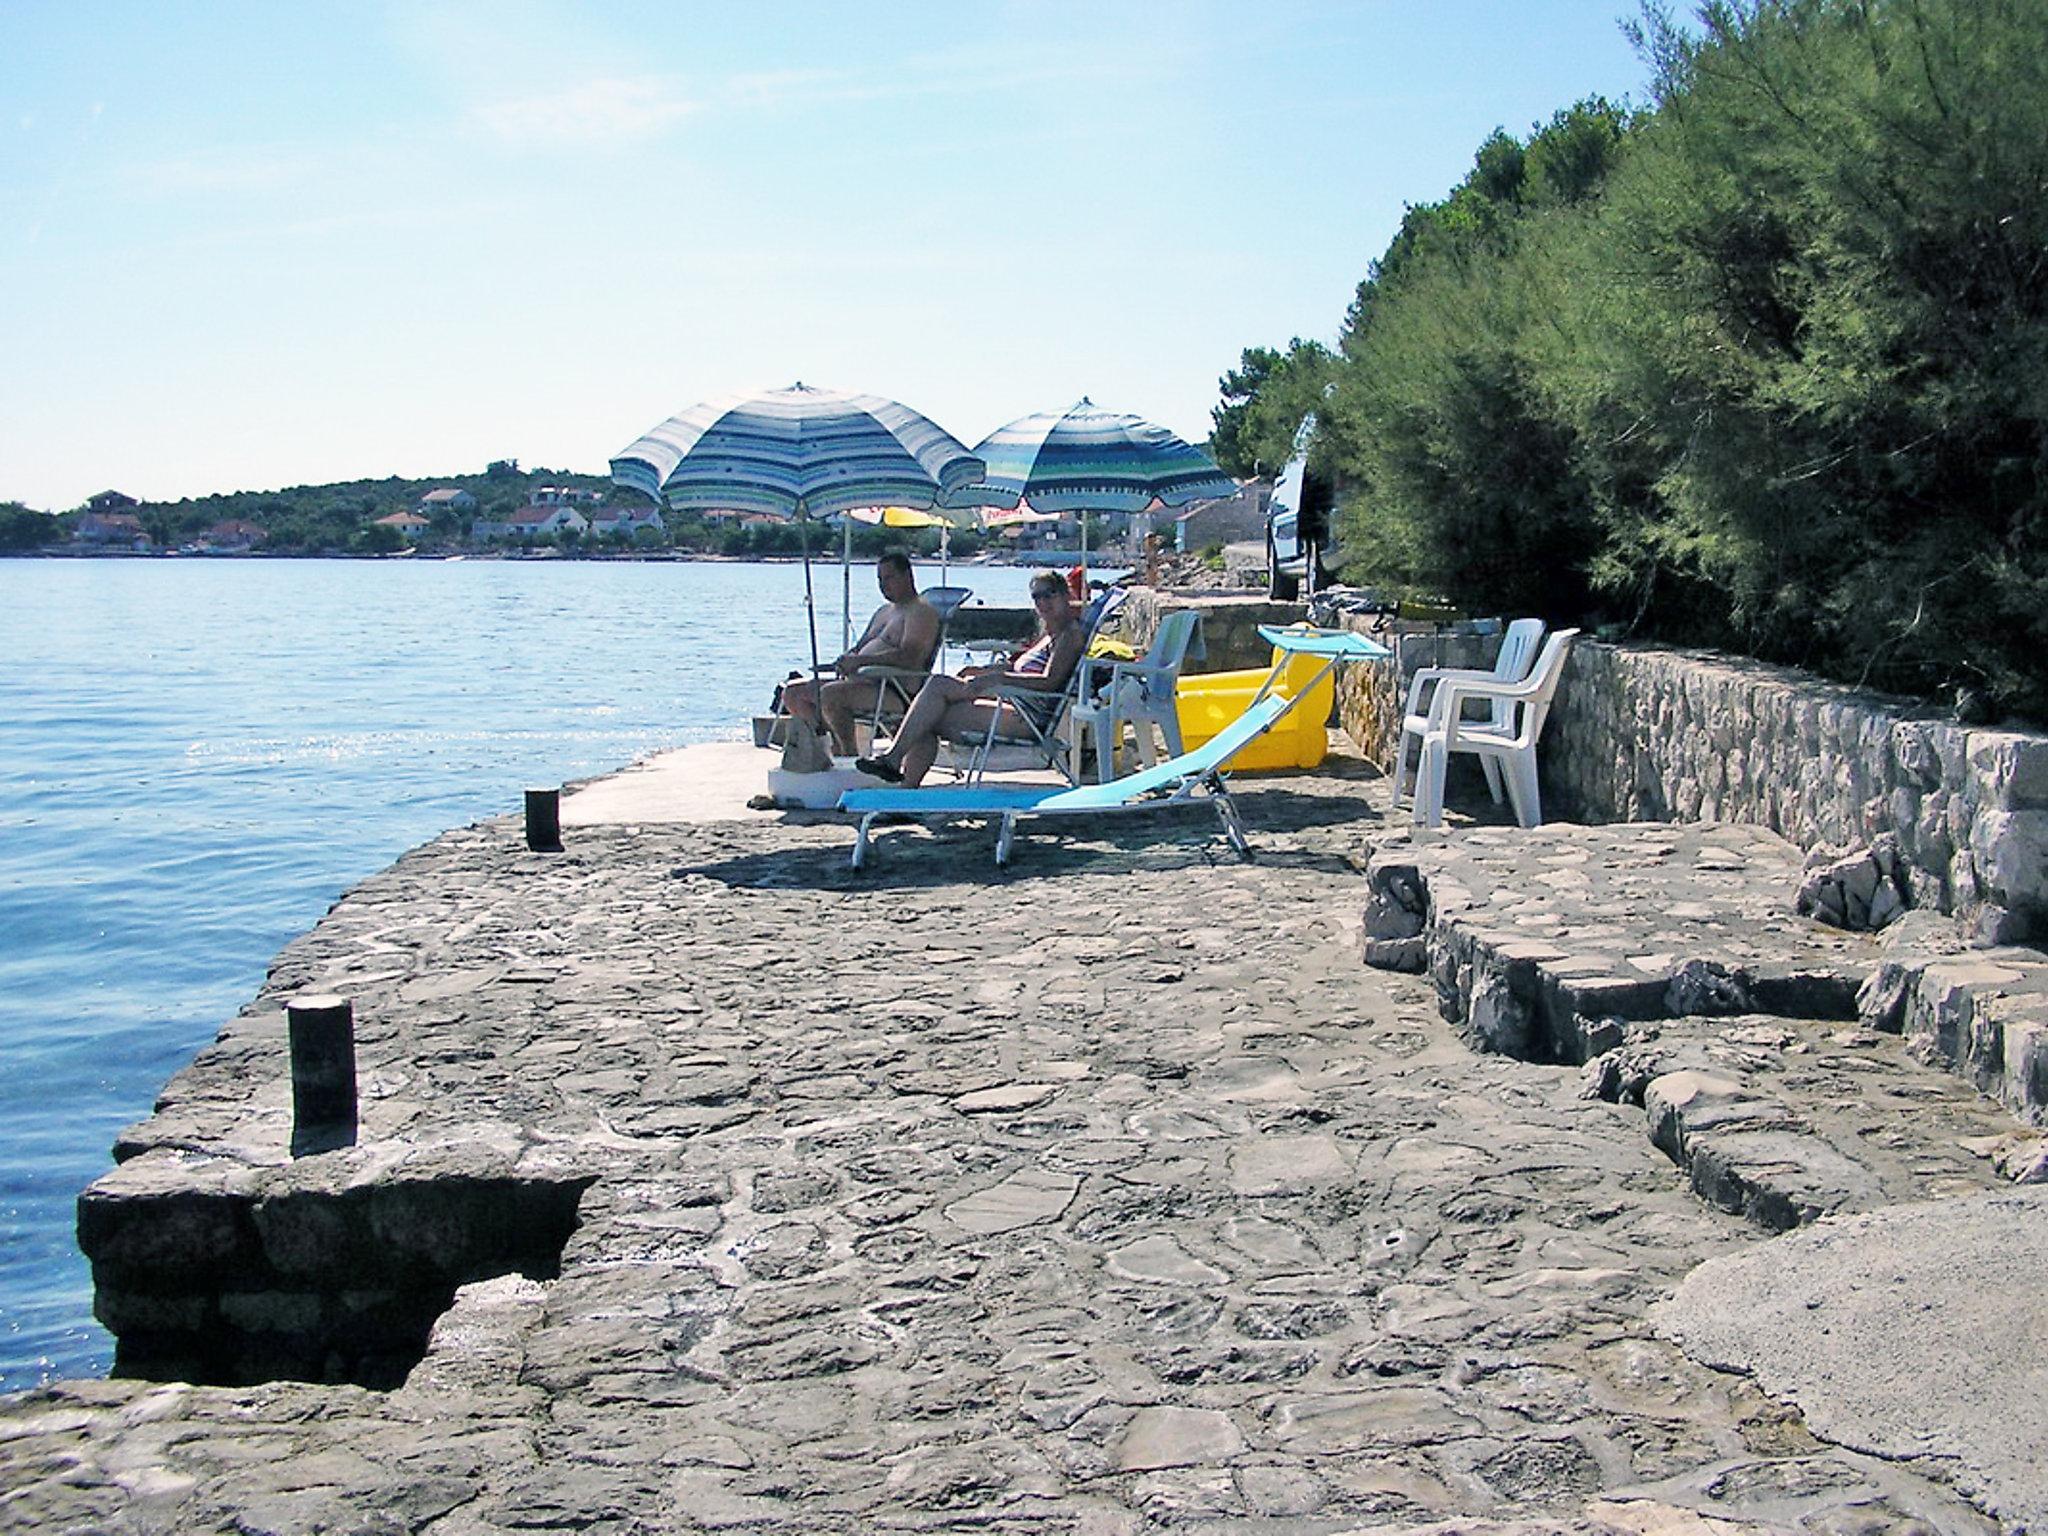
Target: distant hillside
342,519
339,518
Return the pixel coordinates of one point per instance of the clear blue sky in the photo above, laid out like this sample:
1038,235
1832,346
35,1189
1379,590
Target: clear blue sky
248,245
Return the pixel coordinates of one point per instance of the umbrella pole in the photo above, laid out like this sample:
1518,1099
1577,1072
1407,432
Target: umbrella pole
803,533
846,589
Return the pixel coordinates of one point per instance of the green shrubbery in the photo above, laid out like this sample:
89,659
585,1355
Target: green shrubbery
21,528
1763,365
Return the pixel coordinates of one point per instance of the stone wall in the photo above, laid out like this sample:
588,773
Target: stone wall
1652,735
1642,734
1230,625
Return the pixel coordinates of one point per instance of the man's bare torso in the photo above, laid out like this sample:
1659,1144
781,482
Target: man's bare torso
892,625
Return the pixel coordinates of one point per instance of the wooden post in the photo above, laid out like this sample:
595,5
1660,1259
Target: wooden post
544,820
323,1046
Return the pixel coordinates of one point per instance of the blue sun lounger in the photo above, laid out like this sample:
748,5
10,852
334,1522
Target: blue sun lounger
1178,780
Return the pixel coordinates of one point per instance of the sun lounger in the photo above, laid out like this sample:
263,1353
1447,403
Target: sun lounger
1192,776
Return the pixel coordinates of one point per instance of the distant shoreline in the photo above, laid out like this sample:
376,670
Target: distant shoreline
1096,559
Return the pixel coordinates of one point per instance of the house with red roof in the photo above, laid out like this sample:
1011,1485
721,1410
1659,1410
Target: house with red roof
111,530
235,534
410,525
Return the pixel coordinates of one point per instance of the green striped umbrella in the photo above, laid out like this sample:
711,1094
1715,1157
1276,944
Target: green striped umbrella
1085,459
798,450
802,451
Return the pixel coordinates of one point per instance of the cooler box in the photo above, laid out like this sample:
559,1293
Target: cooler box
1208,701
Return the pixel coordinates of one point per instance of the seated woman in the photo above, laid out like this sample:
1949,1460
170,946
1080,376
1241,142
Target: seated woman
962,704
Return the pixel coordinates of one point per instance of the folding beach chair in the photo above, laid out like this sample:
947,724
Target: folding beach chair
897,686
1034,720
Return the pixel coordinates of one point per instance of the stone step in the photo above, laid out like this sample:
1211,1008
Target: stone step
1546,943
1783,1122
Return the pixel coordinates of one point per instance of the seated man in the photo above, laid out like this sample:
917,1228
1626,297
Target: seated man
903,633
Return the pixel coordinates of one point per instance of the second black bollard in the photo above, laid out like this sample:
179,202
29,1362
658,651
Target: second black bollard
544,820
323,1042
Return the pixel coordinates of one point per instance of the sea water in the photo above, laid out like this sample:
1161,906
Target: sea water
198,756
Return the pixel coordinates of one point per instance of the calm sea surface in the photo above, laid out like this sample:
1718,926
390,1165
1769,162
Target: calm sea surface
198,756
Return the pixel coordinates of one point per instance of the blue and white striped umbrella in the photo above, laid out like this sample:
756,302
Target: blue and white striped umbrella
1086,459
798,450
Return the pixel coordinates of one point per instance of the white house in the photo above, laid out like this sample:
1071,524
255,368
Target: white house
410,525
453,498
535,522
627,520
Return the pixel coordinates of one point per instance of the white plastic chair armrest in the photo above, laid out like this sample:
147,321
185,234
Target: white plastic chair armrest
1447,708
1434,675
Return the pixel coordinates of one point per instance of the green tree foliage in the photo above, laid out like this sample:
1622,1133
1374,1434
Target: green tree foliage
1764,365
378,539
1239,388
1264,401
23,528
1458,473
1836,231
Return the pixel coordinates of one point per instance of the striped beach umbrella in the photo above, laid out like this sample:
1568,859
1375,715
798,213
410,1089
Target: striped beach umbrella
800,451
807,452
1085,459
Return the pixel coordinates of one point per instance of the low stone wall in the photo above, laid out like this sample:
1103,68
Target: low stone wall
1643,734
1654,735
978,622
1230,625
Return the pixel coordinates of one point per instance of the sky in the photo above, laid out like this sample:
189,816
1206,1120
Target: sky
252,245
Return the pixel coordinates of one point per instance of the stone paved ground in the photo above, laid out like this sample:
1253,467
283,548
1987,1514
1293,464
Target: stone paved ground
1110,1194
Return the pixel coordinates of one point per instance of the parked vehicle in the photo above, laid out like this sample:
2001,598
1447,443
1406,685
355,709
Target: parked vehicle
1300,526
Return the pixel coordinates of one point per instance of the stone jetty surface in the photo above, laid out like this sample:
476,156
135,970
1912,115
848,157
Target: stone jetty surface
704,1185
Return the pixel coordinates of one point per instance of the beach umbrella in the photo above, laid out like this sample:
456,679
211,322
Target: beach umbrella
1086,459
806,452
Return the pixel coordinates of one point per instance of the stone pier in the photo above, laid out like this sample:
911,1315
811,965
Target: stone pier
704,1185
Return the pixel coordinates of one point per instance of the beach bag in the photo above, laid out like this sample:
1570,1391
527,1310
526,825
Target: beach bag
803,749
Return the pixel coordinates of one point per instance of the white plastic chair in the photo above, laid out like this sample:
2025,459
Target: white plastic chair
1142,692
1517,654
1520,707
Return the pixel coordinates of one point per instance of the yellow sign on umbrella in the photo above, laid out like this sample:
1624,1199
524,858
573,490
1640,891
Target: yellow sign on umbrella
899,517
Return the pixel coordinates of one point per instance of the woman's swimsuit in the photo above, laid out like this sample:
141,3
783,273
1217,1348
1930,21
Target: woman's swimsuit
1035,661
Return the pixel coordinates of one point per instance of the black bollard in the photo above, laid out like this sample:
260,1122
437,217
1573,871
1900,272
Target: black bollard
323,1040
544,820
